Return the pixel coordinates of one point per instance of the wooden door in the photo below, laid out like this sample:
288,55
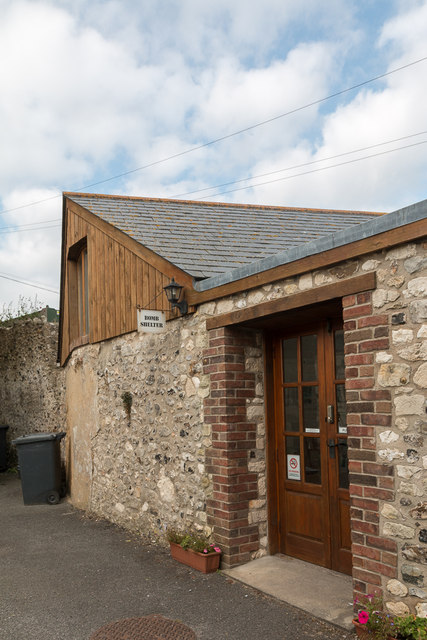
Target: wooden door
311,439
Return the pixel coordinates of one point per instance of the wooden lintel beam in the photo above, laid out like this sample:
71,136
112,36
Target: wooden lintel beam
356,284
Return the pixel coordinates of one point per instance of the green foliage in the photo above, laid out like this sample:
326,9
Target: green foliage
411,628
24,307
191,540
127,402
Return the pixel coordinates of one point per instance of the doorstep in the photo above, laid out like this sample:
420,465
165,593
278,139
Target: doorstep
324,593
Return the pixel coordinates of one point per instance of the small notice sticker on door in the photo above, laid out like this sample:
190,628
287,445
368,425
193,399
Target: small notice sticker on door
294,467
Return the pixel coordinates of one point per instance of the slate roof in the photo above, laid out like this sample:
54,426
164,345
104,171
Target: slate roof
205,239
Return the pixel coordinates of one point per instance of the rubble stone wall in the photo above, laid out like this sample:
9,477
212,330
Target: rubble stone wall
31,383
137,434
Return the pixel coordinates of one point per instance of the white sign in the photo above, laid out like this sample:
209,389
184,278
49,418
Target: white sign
294,467
151,321
312,430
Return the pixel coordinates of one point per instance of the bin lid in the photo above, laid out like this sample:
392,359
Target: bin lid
4,426
38,437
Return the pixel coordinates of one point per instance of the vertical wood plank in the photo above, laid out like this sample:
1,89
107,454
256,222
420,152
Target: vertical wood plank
133,298
109,289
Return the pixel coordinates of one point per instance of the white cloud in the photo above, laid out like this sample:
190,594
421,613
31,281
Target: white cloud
93,89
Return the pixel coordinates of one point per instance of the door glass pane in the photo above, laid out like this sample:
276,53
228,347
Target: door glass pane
312,471
341,408
339,354
309,358
342,463
293,458
291,409
290,360
310,408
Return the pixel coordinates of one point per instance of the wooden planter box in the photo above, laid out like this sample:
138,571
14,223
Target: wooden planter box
204,562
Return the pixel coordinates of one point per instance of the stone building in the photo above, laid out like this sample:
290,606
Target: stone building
285,412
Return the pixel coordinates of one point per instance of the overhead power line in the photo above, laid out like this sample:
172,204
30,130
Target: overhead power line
299,166
304,173
51,226
229,135
29,284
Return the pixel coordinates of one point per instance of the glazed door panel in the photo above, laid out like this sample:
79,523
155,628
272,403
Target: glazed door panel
311,438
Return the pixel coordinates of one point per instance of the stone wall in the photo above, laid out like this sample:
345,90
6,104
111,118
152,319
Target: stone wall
137,434
31,383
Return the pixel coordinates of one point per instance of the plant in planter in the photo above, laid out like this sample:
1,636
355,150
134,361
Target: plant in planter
194,550
411,627
372,621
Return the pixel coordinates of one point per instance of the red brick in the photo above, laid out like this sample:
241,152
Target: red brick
350,348
359,574
349,301
376,419
350,325
362,431
363,383
359,335
366,296
374,345
381,332
364,527
383,407
359,358
375,395
355,490
381,494
380,568
357,312
352,372
378,469
366,371
370,516
366,552
372,321
372,505
386,483
389,558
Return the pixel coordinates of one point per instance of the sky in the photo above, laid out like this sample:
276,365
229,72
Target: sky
99,95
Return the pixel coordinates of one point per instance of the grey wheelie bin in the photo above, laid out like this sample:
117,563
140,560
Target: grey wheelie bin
3,447
39,460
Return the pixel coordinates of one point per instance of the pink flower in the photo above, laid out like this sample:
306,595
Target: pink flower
363,617
205,550
217,549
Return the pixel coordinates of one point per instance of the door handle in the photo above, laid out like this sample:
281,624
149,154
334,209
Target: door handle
330,414
332,444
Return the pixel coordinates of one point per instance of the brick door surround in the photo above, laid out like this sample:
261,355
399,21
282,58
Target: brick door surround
233,437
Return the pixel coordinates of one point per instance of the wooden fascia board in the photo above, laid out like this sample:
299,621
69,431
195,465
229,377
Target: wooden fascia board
356,284
412,231
62,282
143,252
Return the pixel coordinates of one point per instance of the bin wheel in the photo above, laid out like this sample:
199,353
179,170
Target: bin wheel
52,497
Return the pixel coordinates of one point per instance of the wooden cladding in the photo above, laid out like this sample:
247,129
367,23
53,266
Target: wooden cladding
121,277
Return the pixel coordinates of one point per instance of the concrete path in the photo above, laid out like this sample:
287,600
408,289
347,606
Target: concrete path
63,576
326,594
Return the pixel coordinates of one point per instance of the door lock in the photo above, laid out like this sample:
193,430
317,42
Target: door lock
330,414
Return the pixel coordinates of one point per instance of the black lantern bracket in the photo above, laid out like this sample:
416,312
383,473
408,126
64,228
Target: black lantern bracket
173,293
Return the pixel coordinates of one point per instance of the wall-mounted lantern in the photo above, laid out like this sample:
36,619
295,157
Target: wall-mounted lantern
173,293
